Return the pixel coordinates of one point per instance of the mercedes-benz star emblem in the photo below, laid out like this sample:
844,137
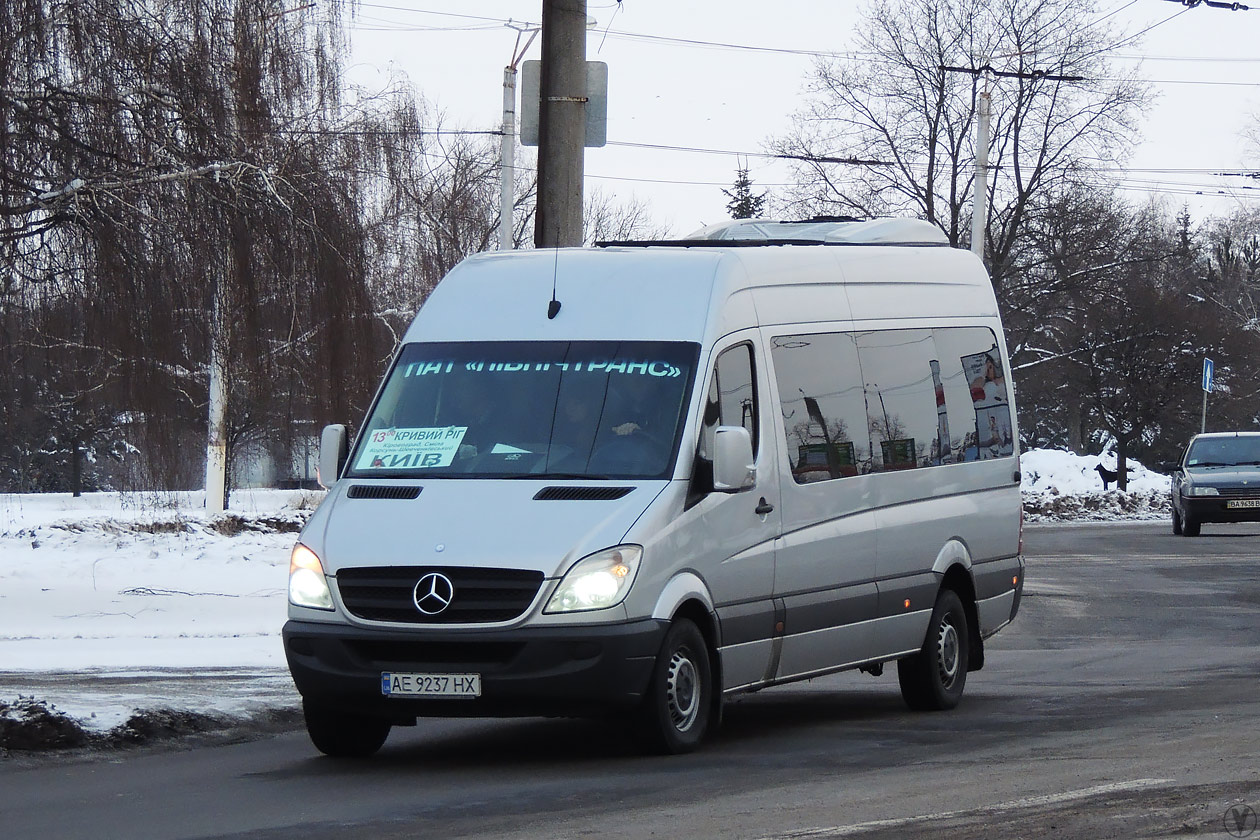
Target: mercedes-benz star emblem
433,593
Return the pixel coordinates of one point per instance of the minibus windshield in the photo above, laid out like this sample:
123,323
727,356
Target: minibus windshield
529,409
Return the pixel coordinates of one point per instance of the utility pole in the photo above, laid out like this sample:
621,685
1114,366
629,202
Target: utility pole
979,212
561,124
507,150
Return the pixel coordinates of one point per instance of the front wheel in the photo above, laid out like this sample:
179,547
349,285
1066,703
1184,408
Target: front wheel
343,735
933,679
676,711
1190,526
1176,520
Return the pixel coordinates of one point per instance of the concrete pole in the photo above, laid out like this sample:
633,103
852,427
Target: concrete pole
561,124
216,439
507,158
980,206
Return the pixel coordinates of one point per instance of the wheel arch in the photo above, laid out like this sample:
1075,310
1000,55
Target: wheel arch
686,596
957,577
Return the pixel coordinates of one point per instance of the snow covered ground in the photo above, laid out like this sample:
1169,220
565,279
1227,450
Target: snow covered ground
128,616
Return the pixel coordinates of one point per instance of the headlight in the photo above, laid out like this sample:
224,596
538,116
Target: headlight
598,581
1204,491
307,585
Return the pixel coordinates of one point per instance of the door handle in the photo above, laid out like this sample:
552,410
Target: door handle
763,508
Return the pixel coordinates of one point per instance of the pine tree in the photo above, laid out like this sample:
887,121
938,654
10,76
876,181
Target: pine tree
743,203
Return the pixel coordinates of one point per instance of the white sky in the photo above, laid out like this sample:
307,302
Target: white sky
734,99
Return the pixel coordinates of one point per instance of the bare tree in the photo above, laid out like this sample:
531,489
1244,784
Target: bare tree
907,124
156,151
609,220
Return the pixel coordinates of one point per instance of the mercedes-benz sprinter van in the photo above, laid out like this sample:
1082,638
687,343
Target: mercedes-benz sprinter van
637,480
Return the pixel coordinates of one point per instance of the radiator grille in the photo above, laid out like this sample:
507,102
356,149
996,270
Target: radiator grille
1239,492
480,595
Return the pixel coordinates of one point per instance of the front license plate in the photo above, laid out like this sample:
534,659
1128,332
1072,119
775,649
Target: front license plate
431,685
1243,503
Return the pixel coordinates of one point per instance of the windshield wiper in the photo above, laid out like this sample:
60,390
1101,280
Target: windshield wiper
564,475
1211,464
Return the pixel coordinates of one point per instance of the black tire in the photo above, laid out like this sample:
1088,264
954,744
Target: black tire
933,679
1176,520
343,735
1190,526
676,712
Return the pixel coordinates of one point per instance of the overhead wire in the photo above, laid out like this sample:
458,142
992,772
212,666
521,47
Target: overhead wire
493,23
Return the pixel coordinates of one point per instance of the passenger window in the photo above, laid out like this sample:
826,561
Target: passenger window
974,387
732,397
901,398
884,400
824,414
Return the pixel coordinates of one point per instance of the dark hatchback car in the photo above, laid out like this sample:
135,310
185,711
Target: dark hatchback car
1217,480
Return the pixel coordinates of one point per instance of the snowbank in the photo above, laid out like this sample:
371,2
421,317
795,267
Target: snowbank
138,614
1060,486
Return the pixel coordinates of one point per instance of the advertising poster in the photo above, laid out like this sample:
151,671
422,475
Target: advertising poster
898,454
986,377
996,439
813,456
987,382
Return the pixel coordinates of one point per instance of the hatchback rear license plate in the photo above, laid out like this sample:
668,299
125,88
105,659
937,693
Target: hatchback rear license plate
431,685
1243,503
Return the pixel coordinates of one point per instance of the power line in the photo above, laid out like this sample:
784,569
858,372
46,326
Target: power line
989,69
773,155
1215,4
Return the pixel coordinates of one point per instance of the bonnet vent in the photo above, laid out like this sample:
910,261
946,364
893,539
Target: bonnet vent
382,491
581,494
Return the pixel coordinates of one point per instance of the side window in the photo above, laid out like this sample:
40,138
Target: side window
899,378
732,397
973,383
883,400
824,413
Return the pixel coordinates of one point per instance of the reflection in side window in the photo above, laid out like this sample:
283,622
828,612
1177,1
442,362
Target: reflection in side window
885,400
975,389
732,397
824,413
900,389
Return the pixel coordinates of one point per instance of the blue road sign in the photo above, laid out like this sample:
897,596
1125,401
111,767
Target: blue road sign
1207,374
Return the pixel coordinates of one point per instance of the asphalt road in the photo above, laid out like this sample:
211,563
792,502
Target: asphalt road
1123,702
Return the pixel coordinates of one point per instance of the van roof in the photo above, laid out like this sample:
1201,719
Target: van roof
821,230
707,289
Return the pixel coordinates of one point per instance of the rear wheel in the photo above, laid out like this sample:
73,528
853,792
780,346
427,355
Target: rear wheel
933,679
343,735
676,713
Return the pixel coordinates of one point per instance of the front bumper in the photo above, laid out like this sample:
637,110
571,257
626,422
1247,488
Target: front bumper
1215,509
560,671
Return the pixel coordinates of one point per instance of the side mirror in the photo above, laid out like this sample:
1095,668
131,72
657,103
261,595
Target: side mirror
333,449
1169,466
733,469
